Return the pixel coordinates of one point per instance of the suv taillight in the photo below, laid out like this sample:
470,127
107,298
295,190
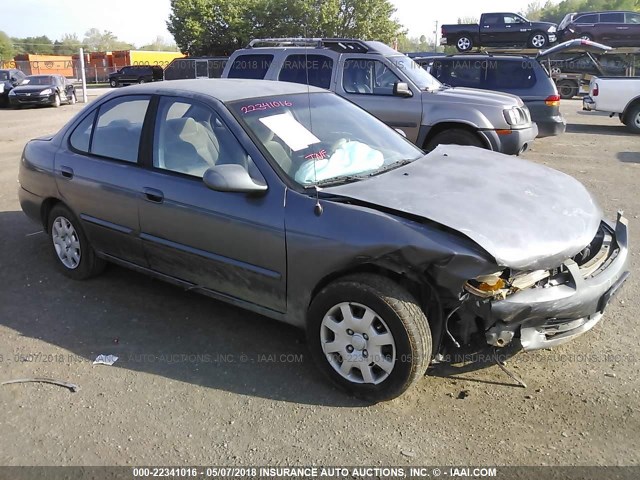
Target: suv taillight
596,90
552,101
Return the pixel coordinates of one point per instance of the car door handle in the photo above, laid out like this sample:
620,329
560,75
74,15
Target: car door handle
66,172
153,195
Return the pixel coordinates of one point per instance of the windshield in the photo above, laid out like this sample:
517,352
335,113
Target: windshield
39,80
418,75
320,138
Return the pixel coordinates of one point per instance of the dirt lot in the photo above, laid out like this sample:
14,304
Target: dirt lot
199,382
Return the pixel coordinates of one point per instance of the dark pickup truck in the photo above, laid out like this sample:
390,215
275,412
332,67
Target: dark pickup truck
499,30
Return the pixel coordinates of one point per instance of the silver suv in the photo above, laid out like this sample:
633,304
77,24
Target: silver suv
394,88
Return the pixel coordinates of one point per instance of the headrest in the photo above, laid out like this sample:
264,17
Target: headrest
182,127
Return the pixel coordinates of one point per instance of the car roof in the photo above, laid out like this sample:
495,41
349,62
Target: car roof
224,89
474,56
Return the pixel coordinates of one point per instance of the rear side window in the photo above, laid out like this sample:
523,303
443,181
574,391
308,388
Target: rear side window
613,17
510,75
81,136
316,69
250,66
119,127
592,18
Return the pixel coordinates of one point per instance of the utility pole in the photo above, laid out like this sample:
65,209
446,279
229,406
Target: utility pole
436,32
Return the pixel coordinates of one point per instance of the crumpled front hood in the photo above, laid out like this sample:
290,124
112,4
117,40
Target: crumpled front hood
475,96
527,216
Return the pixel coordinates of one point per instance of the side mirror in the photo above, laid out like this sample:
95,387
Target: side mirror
401,89
231,178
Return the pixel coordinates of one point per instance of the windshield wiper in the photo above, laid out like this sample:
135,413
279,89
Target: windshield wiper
338,180
393,166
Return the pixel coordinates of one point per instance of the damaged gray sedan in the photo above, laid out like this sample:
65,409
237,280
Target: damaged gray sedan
292,202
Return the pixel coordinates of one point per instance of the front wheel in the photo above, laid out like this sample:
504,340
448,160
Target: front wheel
74,256
455,136
632,119
538,40
142,80
56,101
464,43
113,83
369,336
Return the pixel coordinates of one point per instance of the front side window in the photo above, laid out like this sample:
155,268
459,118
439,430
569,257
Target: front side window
370,77
307,69
321,138
587,19
119,127
511,19
250,66
191,138
633,18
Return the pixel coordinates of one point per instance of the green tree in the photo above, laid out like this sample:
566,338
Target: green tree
6,47
555,12
160,44
218,27
68,45
38,45
105,41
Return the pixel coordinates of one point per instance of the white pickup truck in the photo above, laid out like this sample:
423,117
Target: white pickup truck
619,95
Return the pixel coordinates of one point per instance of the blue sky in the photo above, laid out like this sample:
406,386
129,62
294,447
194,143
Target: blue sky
141,21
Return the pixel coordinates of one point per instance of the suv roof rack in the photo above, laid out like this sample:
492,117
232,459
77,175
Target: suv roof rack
342,45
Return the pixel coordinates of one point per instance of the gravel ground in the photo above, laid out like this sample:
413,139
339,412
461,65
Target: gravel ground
202,383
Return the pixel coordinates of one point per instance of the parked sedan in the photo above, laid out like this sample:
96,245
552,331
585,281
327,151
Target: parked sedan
43,90
290,201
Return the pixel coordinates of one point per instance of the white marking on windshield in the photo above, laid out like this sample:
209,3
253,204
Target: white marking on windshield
293,133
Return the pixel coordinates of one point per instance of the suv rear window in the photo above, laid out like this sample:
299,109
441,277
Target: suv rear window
300,68
510,75
613,17
250,66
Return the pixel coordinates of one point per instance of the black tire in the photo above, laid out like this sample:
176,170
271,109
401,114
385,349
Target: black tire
632,119
567,89
73,99
454,136
538,40
114,83
403,319
586,36
89,264
464,43
142,80
56,101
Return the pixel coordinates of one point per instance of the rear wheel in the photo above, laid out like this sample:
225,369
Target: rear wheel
72,98
538,40
454,136
74,256
464,43
567,89
142,80
369,336
632,119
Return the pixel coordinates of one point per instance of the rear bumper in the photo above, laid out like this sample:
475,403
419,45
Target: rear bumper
588,104
31,204
511,142
551,126
547,317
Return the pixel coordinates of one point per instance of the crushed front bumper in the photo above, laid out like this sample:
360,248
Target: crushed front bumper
550,316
